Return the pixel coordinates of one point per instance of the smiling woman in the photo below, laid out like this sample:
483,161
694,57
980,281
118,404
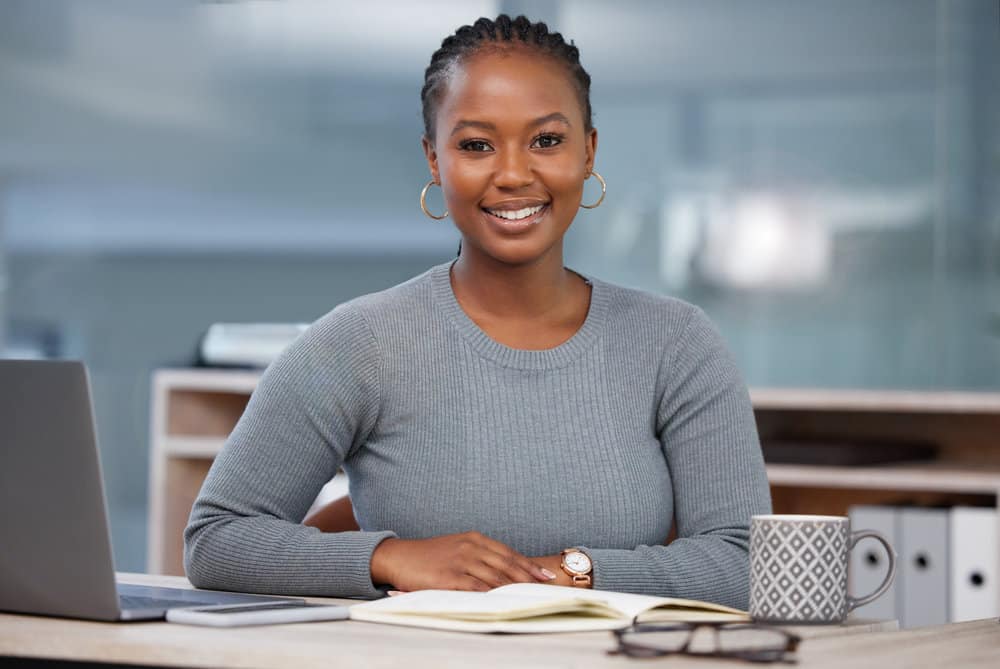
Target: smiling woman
501,417
511,146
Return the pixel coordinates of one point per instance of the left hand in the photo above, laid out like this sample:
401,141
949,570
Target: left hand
550,562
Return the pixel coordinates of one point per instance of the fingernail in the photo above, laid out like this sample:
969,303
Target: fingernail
393,593
548,574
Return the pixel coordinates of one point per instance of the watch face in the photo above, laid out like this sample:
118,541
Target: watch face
578,562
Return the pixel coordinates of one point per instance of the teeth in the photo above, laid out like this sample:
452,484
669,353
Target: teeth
516,215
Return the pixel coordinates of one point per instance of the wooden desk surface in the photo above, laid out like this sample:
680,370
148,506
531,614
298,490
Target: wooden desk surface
348,644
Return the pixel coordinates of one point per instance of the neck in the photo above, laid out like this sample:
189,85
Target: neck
513,291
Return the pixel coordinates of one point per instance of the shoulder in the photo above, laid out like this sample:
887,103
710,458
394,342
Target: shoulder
633,302
403,299
362,316
350,330
663,325
642,309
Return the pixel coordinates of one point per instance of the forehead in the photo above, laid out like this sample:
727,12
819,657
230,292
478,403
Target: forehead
507,87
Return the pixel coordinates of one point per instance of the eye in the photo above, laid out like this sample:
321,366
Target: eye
475,145
547,141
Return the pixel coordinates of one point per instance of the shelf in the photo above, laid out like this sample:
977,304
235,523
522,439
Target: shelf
209,379
917,478
882,401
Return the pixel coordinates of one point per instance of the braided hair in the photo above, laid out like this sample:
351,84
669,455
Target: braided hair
502,33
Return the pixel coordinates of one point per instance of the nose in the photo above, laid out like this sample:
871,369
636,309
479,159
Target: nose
514,170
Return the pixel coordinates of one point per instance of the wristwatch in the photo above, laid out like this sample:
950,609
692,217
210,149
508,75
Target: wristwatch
577,564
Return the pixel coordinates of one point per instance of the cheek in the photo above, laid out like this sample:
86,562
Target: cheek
565,179
462,180
564,174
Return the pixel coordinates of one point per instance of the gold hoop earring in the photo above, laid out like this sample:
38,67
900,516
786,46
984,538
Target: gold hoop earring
423,202
604,191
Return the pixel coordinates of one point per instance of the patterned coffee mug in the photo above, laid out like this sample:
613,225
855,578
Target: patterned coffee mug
798,568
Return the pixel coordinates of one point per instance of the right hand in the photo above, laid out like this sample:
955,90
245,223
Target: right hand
467,561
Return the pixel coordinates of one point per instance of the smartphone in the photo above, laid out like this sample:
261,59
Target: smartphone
257,613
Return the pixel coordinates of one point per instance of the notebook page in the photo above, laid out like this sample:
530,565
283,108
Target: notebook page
486,606
631,605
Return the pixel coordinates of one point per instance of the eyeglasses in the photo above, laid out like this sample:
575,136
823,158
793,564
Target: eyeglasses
753,643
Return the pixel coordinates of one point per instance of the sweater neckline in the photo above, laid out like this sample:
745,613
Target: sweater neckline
550,358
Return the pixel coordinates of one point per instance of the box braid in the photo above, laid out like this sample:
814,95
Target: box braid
503,33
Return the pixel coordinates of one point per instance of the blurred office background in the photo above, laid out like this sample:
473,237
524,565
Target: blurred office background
822,176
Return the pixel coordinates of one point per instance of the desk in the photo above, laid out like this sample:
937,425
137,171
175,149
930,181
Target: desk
356,644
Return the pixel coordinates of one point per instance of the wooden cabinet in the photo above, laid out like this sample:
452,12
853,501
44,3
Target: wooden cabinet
195,409
963,427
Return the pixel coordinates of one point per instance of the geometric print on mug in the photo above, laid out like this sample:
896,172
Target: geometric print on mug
798,568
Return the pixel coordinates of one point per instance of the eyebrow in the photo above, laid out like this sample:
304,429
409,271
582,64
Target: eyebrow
486,125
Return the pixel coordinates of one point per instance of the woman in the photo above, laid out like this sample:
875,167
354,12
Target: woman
501,418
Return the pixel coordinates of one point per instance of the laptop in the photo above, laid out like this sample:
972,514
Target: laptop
55,545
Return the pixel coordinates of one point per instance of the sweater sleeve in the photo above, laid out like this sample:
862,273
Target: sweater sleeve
706,428
314,405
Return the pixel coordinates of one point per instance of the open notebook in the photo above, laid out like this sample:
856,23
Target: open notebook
533,608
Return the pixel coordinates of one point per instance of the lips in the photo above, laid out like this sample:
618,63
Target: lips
513,221
515,217
515,214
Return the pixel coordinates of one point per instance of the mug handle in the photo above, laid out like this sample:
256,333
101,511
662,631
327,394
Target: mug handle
855,602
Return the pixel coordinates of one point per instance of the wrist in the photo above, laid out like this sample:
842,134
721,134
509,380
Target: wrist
578,567
382,560
553,564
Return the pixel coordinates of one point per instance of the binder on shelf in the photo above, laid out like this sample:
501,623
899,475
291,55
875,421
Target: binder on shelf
974,557
869,561
923,567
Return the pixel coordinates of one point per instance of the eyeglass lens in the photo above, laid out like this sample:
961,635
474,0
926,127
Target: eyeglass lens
729,641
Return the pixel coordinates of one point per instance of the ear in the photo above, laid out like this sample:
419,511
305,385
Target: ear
432,159
591,149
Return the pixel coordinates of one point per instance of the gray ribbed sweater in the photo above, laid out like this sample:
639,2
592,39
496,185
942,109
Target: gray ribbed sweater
640,418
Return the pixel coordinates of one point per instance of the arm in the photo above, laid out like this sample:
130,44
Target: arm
705,425
317,402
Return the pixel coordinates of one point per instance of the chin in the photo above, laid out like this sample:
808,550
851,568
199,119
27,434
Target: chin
517,254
